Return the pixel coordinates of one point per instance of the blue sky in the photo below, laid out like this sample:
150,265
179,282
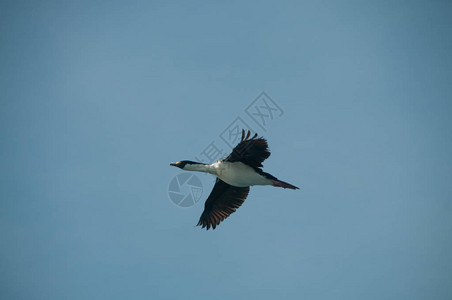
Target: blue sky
97,97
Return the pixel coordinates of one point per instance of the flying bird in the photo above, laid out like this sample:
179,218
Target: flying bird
235,174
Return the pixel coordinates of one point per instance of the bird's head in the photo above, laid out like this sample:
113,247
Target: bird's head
184,164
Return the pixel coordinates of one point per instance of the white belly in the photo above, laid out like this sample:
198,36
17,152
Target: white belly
240,175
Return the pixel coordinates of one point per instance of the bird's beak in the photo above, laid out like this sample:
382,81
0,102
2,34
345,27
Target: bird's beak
173,164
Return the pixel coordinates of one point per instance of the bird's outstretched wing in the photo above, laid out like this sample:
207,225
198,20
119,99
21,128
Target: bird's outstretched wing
222,201
250,151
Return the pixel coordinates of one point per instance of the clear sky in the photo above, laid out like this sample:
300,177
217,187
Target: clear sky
98,97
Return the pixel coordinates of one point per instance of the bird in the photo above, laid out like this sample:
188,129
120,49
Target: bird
235,174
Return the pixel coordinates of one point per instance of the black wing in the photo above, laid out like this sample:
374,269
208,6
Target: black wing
250,151
222,201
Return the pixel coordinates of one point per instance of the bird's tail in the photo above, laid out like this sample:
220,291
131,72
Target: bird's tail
280,183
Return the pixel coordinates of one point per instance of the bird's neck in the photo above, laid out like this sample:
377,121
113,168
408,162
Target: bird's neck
199,167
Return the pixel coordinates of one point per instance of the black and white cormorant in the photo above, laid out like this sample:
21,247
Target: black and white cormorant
235,174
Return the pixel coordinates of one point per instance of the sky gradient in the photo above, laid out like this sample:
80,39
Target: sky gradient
98,97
